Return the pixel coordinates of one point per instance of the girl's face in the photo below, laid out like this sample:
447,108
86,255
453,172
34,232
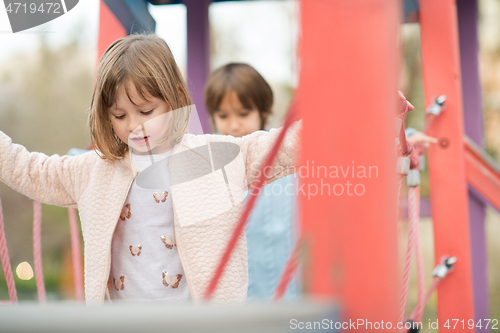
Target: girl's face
140,126
233,119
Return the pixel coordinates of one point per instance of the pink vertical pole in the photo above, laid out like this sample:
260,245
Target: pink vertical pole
348,102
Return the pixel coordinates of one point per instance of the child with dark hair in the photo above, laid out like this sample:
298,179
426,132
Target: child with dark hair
240,102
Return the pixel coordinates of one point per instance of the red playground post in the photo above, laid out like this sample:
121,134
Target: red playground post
449,201
110,29
348,101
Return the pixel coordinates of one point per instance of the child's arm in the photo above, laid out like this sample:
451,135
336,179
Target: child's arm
414,136
46,179
256,146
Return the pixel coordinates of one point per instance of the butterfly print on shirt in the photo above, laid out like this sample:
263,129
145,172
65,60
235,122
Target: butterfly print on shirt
169,242
173,282
120,284
110,288
135,250
160,197
125,212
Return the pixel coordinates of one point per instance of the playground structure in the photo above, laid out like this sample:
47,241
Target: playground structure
340,233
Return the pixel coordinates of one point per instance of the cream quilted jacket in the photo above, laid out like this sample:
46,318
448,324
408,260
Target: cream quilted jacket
206,209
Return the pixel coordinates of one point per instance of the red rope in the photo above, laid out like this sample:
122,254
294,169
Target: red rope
289,272
253,196
4,253
37,251
75,251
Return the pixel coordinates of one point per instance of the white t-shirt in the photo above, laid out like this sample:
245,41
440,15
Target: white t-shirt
145,264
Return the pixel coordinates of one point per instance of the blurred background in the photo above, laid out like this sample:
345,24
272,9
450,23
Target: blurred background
46,76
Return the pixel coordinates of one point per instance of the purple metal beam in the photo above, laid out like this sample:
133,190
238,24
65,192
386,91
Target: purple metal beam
198,55
473,120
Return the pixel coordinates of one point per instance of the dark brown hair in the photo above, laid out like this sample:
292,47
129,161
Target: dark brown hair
250,87
144,60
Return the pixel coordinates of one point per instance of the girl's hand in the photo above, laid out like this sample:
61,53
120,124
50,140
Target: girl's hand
420,137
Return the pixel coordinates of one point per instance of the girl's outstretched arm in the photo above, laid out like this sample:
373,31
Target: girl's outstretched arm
256,146
53,180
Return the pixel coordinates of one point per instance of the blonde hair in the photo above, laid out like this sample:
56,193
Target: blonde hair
250,87
144,60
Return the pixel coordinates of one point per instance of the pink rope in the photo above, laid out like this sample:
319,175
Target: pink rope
435,282
4,253
75,251
422,298
419,310
404,146
398,188
37,251
253,196
412,220
289,272
432,288
414,232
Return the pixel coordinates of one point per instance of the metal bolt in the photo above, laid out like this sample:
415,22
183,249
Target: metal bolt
440,100
422,163
436,107
443,269
413,178
403,165
444,143
450,261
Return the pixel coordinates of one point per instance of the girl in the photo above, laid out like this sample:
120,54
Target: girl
240,102
157,205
